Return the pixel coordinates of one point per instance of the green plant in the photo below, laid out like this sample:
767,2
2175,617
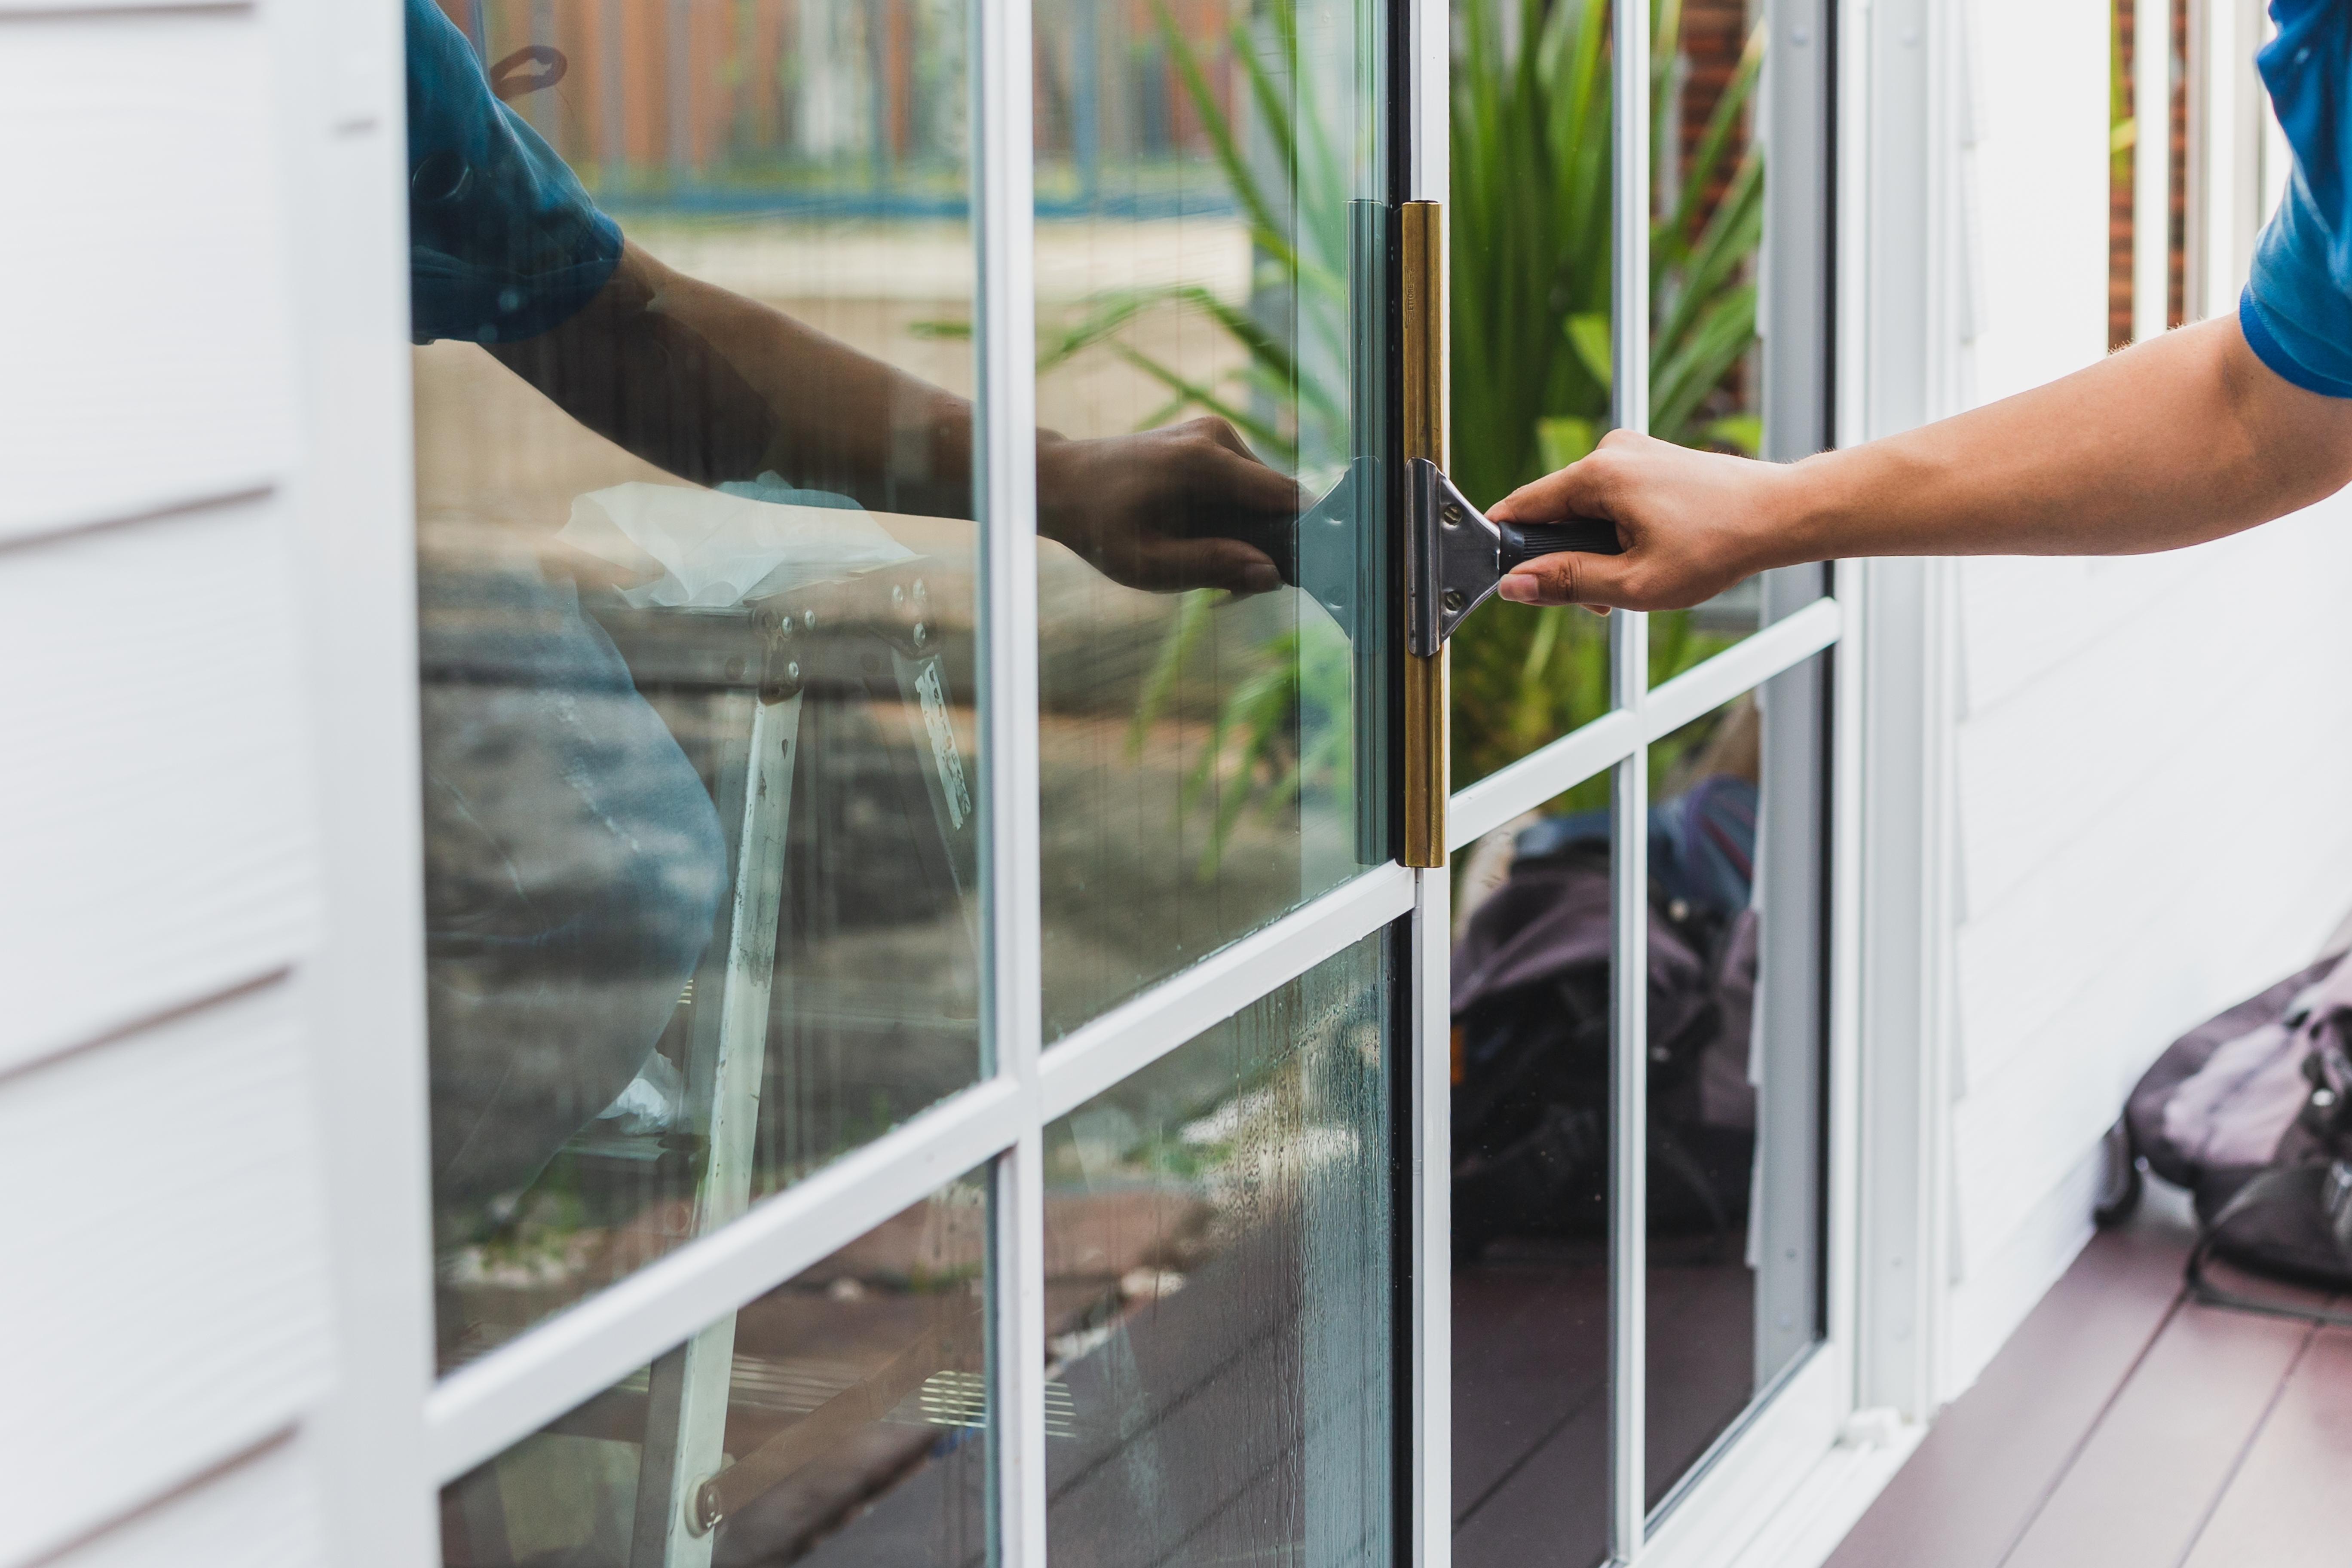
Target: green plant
1530,257
1530,252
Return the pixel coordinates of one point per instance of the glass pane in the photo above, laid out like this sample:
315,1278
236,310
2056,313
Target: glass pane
1211,234
1531,974
1528,214
1217,1234
1736,1048
1707,202
840,1419
696,609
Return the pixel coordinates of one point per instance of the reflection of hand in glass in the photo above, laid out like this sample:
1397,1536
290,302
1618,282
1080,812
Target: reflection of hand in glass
1185,507
714,386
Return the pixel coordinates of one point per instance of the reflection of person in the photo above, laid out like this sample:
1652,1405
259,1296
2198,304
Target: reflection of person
2201,433
573,859
507,250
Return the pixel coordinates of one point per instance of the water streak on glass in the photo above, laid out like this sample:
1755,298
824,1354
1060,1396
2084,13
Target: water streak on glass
1212,235
696,610
840,1420
1218,1290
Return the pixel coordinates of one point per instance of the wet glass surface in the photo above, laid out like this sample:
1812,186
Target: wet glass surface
696,609
1210,185
841,1419
1218,1288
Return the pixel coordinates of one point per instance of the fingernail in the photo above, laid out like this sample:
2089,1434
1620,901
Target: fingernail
1261,579
1518,590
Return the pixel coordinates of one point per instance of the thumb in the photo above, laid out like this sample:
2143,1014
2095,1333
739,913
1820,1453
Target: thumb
1570,577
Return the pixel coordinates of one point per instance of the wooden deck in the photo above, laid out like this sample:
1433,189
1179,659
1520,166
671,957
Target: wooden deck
2123,1426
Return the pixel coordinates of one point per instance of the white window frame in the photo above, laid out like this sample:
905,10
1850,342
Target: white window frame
394,1435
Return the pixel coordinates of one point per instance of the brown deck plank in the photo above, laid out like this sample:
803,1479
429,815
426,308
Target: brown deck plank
1701,1364
1972,1488
2284,1508
2152,1469
1530,1349
1550,1504
1554,1510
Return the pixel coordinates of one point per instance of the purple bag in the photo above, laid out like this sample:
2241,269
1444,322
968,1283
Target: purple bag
2249,1111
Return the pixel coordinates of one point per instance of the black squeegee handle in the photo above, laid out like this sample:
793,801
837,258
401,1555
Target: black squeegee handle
1527,541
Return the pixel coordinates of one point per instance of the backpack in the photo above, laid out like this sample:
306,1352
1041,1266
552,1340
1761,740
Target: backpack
1530,1098
2248,1111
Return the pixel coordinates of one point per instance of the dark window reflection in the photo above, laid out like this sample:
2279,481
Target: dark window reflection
1733,1216
841,1419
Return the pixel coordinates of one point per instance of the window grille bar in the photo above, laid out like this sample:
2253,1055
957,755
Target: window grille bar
1013,1007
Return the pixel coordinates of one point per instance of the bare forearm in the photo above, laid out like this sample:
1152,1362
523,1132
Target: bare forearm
714,386
2177,441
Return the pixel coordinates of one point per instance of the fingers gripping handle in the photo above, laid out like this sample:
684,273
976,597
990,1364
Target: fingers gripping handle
1530,540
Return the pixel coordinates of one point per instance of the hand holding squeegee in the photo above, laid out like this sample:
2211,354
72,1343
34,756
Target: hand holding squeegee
1455,553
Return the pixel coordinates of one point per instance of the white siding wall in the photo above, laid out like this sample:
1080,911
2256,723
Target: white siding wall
2149,755
168,1295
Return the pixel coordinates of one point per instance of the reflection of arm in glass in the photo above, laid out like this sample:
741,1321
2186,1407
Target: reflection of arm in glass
2201,433
507,250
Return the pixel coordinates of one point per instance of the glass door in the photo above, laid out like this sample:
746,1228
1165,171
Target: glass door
917,958
967,1019
1639,953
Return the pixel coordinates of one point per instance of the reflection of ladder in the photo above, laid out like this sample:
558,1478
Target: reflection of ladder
677,1507
685,1411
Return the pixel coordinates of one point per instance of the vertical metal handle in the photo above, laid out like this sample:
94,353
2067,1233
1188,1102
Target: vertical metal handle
1427,739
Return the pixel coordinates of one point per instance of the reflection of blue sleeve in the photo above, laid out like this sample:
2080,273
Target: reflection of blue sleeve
503,243
2297,306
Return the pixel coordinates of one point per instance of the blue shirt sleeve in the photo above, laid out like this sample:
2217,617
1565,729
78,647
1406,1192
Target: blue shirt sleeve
503,241
2296,310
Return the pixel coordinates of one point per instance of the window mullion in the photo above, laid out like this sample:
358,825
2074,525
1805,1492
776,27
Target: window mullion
1629,812
1005,456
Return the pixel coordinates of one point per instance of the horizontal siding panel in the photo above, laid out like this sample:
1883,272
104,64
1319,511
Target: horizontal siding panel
2206,872
2002,1285
2056,760
2241,662
2014,1140
2032,267
166,1186
262,1512
158,846
81,7
2024,617
141,196
2018,1127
